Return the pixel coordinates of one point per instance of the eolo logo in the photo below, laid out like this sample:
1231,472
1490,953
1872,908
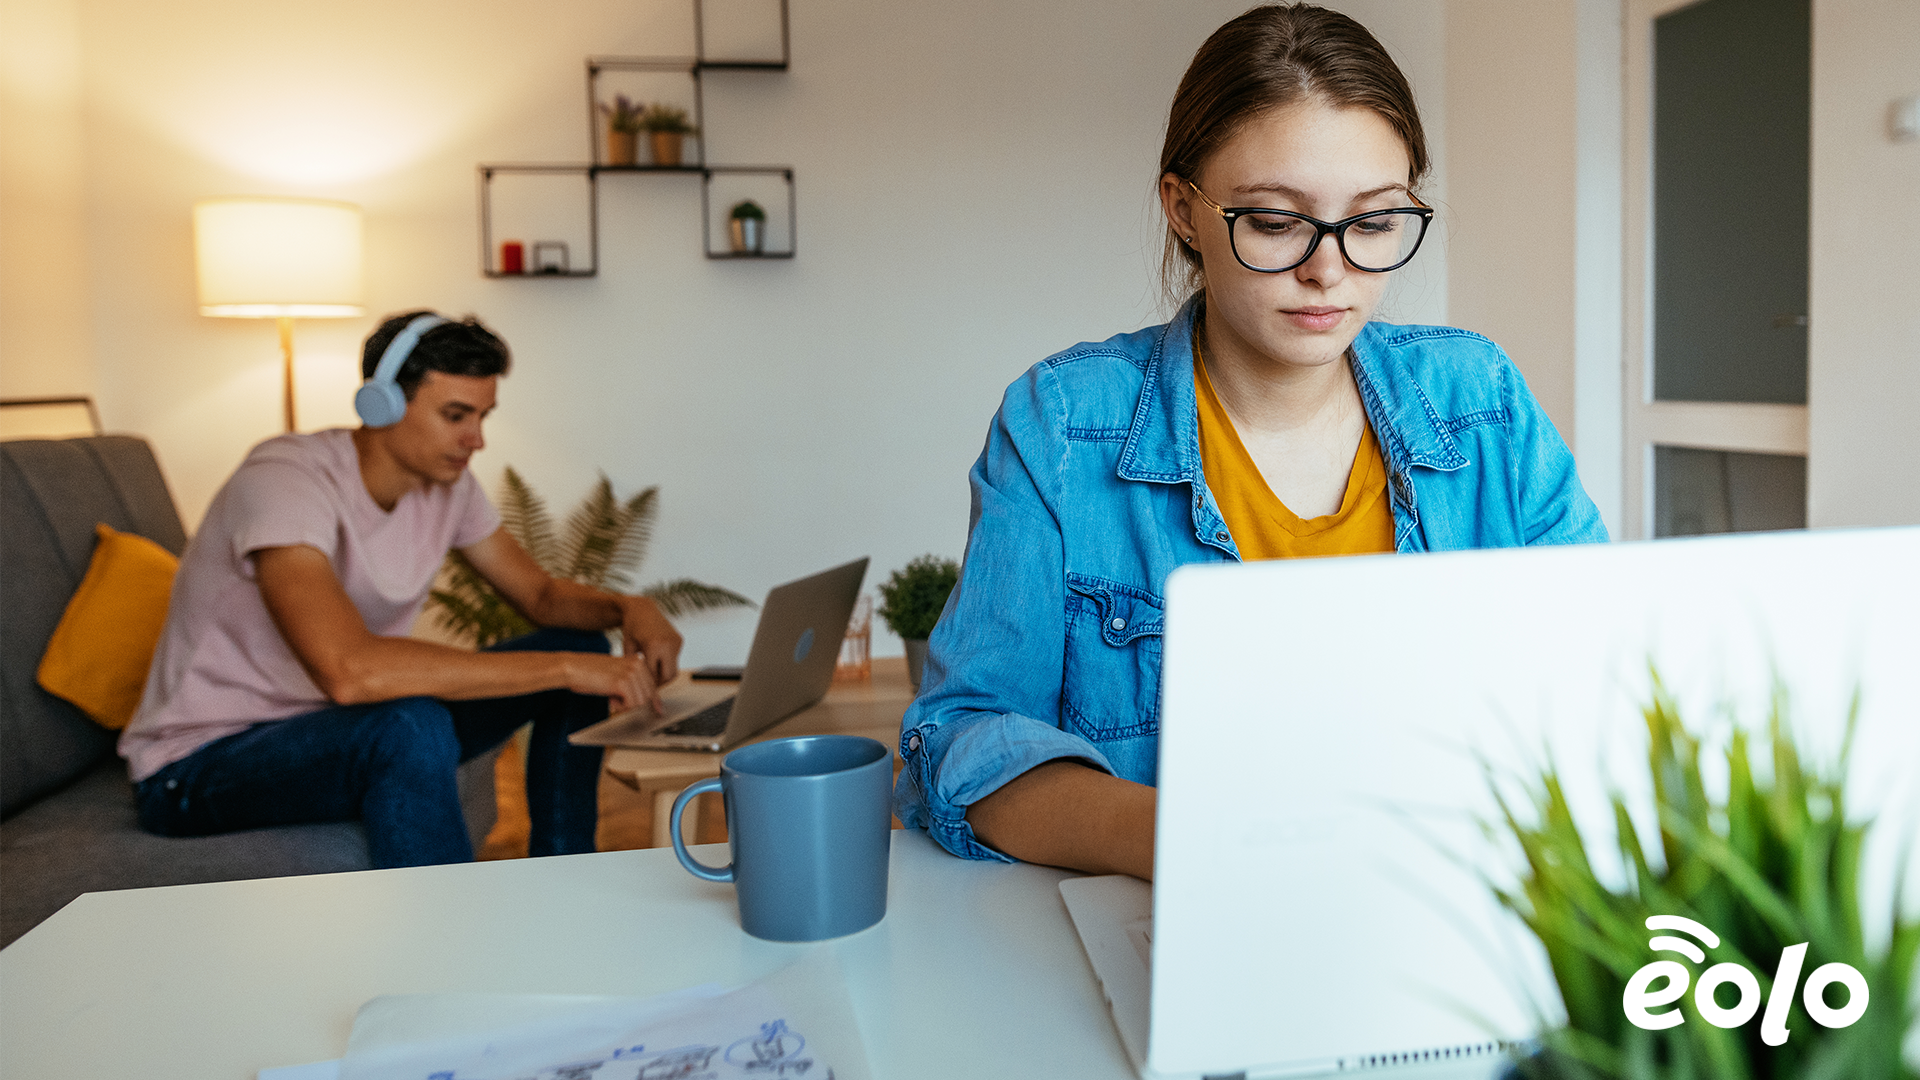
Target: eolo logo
1639,1000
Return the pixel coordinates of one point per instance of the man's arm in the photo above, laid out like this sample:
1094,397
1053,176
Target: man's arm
1066,814
550,601
352,665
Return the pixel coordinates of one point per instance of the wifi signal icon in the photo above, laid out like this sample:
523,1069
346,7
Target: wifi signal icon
1640,997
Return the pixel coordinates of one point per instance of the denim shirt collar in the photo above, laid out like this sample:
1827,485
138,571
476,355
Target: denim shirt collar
1163,443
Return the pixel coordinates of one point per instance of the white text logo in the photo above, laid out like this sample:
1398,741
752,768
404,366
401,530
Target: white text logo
1640,1000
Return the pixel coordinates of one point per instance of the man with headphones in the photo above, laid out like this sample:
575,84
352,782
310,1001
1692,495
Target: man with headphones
285,688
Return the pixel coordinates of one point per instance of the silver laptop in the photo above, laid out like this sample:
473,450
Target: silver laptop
1317,903
789,668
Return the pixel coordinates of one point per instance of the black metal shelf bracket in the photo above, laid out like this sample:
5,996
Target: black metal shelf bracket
693,67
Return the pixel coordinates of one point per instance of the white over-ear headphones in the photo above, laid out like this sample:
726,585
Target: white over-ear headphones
380,401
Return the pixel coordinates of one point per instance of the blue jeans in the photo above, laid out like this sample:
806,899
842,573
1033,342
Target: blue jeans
392,765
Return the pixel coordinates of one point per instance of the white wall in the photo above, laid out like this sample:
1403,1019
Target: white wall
44,339
1514,181
975,185
1863,334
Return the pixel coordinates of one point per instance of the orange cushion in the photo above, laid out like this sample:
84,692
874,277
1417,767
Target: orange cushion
99,654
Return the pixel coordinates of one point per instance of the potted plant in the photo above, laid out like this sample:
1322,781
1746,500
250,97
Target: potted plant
603,542
1771,870
911,601
667,125
747,227
624,118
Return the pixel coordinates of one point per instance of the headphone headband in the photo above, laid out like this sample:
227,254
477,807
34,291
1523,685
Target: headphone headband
402,345
380,401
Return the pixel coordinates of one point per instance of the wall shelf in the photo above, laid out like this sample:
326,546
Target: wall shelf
559,203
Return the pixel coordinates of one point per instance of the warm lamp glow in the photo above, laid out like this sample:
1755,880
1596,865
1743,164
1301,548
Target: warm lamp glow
278,258
282,259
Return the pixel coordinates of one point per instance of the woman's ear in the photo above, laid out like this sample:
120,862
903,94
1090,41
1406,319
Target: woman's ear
1176,199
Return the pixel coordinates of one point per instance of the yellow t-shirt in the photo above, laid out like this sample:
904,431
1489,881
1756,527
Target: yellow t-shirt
1262,526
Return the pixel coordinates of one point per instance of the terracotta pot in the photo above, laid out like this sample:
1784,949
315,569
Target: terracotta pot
623,147
666,147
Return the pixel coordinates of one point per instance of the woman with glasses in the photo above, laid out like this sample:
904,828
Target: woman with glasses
1270,419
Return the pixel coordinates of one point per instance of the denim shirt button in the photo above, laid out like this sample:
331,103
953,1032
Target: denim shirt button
1221,536
1119,623
171,784
913,742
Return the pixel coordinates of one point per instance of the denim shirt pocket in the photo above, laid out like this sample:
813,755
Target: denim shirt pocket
1111,689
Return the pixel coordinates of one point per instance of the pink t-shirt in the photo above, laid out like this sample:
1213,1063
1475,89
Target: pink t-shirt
222,665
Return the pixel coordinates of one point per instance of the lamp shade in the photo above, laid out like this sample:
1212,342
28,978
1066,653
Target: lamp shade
264,258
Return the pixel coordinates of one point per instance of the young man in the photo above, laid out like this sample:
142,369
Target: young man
285,688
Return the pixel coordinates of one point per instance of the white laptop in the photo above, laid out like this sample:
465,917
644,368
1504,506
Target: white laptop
1316,906
789,667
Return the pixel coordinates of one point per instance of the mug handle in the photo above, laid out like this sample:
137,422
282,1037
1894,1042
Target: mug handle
694,866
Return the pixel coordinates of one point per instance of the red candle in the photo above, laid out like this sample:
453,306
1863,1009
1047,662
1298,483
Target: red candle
513,257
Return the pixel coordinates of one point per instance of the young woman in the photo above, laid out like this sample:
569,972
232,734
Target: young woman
1269,419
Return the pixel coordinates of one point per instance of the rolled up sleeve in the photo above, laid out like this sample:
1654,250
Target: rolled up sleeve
989,706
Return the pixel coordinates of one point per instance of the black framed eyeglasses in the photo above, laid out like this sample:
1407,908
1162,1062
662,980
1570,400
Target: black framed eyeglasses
1275,241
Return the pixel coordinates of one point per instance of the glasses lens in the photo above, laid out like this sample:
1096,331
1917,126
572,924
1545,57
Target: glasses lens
1271,241
1385,240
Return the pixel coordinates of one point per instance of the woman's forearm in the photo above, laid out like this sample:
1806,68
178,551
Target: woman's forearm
1066,814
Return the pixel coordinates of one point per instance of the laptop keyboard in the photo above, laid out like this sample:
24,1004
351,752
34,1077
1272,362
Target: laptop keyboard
711,720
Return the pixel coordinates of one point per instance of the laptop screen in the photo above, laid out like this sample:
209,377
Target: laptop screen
1322,890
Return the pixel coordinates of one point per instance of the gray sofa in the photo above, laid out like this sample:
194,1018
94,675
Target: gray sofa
67,823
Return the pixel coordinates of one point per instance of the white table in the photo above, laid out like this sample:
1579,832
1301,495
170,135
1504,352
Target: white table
975,972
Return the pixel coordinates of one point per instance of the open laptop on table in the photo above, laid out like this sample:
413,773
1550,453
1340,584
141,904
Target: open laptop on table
1317,904
789,668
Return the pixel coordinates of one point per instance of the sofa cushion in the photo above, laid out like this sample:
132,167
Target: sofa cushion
52,492
100,652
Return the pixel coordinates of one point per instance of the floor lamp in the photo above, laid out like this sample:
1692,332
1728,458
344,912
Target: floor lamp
285,259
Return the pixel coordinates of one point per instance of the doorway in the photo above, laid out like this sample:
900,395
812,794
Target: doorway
1718,125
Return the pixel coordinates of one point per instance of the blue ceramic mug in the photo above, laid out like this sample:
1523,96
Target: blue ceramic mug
808,824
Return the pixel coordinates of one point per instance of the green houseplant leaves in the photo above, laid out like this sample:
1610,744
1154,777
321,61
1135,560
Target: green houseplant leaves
601,544
1774,863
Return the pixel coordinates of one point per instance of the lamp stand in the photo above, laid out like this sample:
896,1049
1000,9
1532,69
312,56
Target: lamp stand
286,355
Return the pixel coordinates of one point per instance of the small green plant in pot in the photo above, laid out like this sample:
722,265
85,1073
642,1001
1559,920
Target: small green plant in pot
747,227
624,120
911,600
667,125
1771,871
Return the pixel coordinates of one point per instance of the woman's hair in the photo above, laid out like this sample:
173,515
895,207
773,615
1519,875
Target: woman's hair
453,348
1266,59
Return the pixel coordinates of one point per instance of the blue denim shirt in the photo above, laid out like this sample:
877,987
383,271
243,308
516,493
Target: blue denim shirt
1090,491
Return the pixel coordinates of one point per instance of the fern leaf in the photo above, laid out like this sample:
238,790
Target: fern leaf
592,531
684,595
633,538
524,513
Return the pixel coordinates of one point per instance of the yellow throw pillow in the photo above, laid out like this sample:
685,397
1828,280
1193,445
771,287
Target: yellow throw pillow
99,654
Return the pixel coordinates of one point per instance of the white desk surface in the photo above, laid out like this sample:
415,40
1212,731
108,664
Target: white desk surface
975,971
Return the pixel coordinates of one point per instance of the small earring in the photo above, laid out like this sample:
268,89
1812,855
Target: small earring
1189,241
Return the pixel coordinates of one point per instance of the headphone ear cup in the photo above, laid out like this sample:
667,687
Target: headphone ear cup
380,403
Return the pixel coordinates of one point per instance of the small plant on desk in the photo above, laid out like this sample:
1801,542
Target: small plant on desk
911,601
1765,884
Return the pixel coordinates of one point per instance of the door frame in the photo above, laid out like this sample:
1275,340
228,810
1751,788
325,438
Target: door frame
1704,425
